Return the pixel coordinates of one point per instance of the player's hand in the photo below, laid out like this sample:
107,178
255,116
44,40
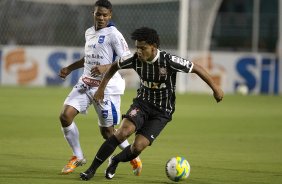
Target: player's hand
218,94
64,72
98,70
98,96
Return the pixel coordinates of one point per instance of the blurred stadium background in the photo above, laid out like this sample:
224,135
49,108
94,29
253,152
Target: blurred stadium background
238,141
238,41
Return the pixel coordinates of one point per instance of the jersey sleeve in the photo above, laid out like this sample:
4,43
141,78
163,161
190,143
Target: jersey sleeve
89,33
120,46
179,64
128,63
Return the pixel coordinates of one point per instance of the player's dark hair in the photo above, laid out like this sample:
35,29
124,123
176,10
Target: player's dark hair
104,3
146,34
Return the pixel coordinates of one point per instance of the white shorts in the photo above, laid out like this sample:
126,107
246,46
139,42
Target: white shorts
108,111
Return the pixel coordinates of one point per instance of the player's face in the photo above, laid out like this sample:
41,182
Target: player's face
102,16
145,51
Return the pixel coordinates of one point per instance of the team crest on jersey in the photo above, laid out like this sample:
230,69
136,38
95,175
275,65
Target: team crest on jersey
105,114
133,112
101,39
162,71
92,46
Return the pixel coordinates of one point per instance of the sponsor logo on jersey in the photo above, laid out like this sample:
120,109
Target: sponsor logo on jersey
95,56
180,61
91,46
101,39
92,62
153,85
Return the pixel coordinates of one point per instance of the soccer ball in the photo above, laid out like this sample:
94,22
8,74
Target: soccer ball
242,89
177,169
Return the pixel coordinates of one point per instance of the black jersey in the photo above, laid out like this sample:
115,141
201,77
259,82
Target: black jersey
158,78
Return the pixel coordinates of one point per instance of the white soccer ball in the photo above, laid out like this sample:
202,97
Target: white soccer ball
177,169
242,89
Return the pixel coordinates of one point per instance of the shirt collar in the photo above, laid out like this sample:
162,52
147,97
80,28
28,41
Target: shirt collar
156,57
110,24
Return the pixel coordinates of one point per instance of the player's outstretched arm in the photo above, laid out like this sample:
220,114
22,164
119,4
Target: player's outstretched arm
205,76
64,72
99,95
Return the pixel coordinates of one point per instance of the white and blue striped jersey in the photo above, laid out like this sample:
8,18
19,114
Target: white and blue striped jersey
103,47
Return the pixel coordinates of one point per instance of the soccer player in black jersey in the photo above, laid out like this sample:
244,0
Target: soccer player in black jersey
154,105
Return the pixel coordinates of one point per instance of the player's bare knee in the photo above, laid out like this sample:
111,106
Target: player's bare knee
137,148
122,134
64,120
107,132
139,144
125,131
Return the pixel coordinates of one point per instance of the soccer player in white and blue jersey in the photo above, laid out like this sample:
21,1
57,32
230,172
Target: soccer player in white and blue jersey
104,45
154,104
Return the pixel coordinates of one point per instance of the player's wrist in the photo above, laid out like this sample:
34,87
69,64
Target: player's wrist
69,68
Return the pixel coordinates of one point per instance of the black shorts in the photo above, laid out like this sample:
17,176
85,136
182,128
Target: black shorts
148,119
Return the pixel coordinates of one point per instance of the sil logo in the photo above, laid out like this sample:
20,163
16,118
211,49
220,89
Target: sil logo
16,63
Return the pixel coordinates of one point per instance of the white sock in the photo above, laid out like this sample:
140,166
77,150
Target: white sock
124,144
72,136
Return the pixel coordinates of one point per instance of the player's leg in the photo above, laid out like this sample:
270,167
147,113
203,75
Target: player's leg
145,136
108,147
71,135
109,116
75,102
107,132
135,163
128,154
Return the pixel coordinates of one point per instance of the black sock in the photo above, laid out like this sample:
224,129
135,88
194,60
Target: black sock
126,155
106,149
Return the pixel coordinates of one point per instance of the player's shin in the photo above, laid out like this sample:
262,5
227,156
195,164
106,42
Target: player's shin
126,155
107,148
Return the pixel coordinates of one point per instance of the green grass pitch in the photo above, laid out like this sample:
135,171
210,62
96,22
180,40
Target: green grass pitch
237,141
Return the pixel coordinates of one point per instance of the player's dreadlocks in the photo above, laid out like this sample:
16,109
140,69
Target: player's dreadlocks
104,3
146,34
